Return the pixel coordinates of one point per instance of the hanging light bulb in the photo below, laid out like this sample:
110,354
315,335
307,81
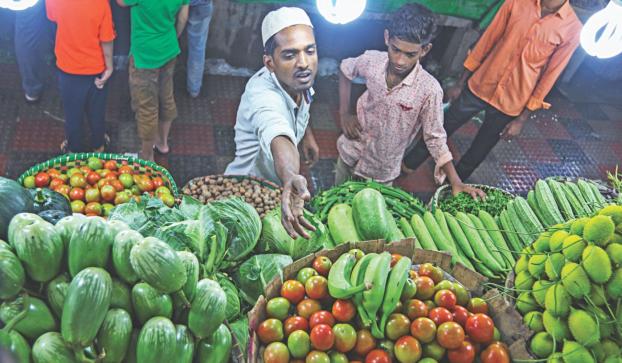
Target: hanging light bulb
17,4
341,11
607,22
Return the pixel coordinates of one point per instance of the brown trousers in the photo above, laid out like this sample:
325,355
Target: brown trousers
152,97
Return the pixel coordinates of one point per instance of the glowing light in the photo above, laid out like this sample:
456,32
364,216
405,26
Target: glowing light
341,11
602,33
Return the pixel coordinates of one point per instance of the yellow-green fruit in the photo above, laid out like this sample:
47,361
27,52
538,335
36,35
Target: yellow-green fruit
614,250
578,225
610,348
599,230
542,345
553,265
575,280
557,240
536,265
606,324
597,264
613,359
583,327
539,291
599,353
523,281
557,301
521,264
557,327
526,303
597,295
617,237
614,286
541,244
576,353
614,211
562,227
573,247
533,320
555,358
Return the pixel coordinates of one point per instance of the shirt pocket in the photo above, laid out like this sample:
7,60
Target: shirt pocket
538,51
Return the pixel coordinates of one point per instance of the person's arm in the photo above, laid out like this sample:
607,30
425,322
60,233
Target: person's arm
295,192
349,123
182,19
310,149
107,48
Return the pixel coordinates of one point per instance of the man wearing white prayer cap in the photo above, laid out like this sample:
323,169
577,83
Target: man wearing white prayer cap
273,115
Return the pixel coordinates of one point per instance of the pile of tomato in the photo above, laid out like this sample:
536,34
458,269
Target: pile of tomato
95,188
438,322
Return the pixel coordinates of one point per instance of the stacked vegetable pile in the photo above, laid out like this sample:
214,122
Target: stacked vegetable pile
569,286
374,308
95,188
107,294
215,187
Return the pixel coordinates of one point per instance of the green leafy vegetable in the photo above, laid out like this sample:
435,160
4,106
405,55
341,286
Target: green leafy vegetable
494,203
257,272
239,329
233,300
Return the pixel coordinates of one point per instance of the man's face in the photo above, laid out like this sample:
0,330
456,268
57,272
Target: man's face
403,55
551,6
294,61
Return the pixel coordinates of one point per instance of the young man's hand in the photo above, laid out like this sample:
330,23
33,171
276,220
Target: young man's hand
100,82
295,193
514,128
464,188
351,126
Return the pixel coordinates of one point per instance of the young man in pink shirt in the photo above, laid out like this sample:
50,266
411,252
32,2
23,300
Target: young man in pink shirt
401,100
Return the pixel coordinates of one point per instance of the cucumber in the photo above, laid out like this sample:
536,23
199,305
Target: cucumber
341,224
40,250
51,348
156,341
574,188
508,230
476,242
191,264
488,243
86,305
370,215
438,237
547,205
37,321
208,309
406,228
422,233
488,221
560,198
217,348
184,347
114,335
89,246
394,234
121,248
156,263
527,216
522,233
56,292
12,275
149,302
460,237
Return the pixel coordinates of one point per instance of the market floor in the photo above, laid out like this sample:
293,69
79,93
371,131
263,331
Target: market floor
569,140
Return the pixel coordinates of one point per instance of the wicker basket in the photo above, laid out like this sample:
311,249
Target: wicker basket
66,162
444,191
471,280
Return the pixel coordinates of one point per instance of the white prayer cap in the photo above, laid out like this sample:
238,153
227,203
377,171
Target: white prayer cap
281,18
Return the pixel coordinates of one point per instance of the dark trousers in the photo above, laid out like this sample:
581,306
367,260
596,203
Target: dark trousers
81,97
33,40
459,113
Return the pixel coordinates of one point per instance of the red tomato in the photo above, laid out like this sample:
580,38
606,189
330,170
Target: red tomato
293,291
294,323
118,186
440,316
464,354
108,193
445,299
76,194
321,317
377,356
110,175
416,309
425,287
270,330
307,307
495,353
394,258
125,169
110,165
322,337
55,183
407,350
480,328
450,335
343,310
64,190
365,342
478,306
316,287
77,206
423,329
322,265
429,270
345,337
413,274
93,208
397,326
77,180
157,182
42,180
276,352
317,357
146,185
461,315
53,173
92,178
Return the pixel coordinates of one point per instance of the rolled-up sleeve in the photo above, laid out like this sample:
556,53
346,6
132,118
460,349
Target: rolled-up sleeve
358,66
268,121
434,135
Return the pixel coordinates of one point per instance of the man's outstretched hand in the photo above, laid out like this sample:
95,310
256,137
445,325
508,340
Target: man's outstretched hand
295,194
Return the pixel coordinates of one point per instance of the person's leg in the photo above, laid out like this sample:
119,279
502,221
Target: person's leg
198,29
74,94
144,94
343,172
31,27
459,113
168,108
486,139
96,113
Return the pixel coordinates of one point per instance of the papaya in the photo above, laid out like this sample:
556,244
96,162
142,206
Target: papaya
156,263
121,247
606,324
56,292
556,327
38,320
89,246
185,344
149,302
191,263
553,266
217,348
208,309
575,280
597,295
121,297
557,301
51,348
576,353
156,341
40,249
12,275
610,348
583,327
114,335
67,226
542,244
573,247
614,211
521,264
596,264
599,230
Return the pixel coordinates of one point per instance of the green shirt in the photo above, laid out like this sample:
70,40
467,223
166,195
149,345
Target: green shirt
154,38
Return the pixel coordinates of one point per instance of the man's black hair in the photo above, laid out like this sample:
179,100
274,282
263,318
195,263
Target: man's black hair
270,46
413,23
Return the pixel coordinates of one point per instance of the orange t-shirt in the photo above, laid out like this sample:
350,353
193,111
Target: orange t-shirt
81,26
520,56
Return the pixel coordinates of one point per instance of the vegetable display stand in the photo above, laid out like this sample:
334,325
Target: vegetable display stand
444,192
262,194
471,281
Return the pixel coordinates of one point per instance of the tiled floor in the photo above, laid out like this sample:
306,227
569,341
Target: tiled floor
573,140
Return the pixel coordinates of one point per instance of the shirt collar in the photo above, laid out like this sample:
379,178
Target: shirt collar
563,12
307,95
409,80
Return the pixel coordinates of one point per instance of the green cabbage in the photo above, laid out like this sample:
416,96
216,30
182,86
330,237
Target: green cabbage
257,272
233,301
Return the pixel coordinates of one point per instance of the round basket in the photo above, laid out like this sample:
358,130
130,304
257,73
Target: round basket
444,191
66,162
